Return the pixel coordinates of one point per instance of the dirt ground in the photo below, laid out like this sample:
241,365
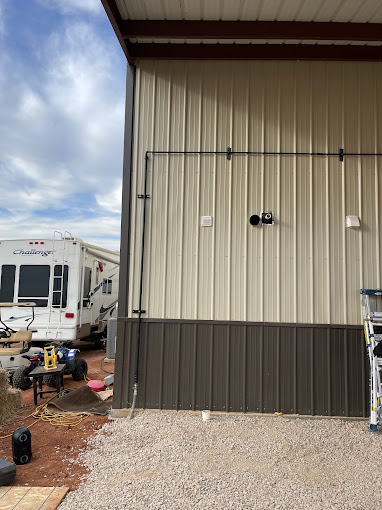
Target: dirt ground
55,448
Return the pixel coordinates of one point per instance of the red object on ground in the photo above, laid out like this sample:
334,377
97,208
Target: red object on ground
96,385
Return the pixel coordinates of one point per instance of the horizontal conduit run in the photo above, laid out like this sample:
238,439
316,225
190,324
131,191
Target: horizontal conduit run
229,152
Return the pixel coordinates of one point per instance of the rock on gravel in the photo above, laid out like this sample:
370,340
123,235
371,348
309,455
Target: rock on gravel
174,460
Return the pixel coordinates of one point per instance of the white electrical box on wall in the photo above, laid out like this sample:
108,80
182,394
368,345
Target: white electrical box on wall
352,222
206,221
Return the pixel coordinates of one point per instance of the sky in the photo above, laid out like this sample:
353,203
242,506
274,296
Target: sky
62,95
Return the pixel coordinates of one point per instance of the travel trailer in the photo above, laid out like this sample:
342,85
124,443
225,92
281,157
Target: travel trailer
74,285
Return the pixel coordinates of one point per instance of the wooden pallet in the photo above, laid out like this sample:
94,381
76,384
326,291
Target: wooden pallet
31,498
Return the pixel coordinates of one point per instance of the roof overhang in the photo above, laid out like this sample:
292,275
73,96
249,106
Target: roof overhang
313,37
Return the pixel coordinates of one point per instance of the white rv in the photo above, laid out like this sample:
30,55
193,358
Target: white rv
74,285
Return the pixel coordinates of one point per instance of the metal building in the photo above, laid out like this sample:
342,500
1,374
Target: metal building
234,109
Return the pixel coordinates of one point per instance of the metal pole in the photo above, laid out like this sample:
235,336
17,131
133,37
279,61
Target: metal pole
140,311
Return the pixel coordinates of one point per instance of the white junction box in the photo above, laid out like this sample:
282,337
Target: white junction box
206,221
352,222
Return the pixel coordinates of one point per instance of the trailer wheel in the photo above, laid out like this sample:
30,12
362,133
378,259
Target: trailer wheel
80,369
21,379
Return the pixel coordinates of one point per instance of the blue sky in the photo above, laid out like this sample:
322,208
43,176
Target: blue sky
62,94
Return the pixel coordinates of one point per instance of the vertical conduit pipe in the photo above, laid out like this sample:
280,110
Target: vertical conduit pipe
136,373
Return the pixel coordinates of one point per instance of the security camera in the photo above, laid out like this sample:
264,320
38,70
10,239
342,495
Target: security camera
267,218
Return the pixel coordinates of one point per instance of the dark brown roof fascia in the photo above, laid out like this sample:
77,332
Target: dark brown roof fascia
114,16
298,30
254,52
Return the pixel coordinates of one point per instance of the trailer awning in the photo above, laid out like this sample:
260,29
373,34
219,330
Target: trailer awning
248,29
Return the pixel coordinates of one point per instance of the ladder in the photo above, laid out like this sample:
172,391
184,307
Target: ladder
373,335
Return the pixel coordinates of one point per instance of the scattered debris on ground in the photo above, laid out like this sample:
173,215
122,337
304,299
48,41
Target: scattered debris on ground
55,448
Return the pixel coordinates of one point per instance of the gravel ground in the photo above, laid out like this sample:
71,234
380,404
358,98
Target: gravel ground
174,460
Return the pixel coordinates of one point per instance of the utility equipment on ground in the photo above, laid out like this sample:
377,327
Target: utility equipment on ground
373,337
76,367
111,344
20,361
74,285
22,445
49,358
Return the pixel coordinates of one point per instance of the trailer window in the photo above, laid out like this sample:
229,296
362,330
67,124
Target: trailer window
60,286
106,286
7,286
34,284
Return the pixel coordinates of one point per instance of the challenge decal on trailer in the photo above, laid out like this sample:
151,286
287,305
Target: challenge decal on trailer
33,252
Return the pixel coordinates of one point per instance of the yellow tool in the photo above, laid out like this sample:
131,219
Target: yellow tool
50,358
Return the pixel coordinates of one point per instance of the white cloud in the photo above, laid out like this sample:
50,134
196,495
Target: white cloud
65,123
30,188
101,230
31,105
111,198
2,20
81,86
73,6
4,5
61,134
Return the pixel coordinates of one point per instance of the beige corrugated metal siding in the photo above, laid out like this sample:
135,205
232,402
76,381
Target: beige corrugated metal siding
308,267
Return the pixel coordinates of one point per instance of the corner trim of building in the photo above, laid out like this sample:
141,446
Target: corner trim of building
125,233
